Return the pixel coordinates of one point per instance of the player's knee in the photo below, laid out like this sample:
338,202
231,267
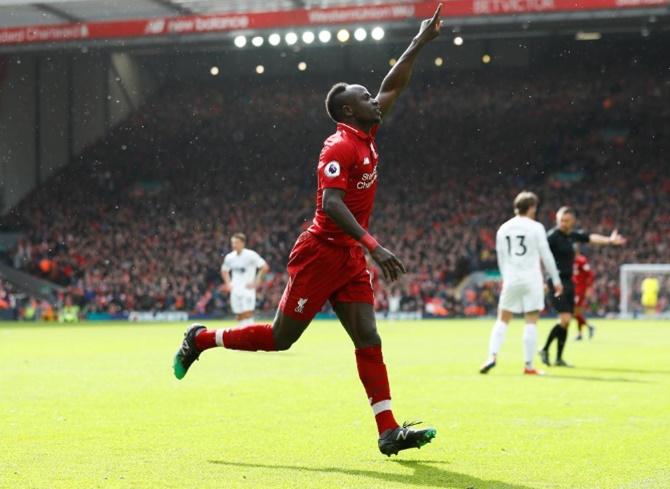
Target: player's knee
282,341
284,334
368,338
283,344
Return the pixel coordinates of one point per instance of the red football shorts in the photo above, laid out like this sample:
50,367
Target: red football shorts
319,271
580,297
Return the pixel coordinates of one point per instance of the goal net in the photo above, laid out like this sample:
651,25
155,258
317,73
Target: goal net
645,290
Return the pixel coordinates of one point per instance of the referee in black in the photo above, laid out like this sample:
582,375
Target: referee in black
561,242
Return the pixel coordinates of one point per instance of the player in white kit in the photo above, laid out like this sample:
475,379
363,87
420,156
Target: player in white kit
521,243
242,272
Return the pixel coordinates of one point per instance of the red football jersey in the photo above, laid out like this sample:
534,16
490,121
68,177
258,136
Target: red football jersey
348,161
582,275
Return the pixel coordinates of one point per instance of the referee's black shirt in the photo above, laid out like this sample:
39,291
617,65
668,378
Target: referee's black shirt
561,246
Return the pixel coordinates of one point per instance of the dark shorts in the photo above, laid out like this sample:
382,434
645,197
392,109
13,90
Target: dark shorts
566,301
320,272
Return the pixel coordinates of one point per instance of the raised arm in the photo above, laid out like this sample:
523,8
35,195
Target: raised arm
337,210
613,239
398,77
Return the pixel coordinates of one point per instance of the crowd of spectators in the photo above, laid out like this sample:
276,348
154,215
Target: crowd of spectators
15,304
141,220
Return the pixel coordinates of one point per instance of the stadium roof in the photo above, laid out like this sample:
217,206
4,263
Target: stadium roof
15,13
50,24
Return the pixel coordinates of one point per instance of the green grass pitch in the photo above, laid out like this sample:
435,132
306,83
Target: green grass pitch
96,406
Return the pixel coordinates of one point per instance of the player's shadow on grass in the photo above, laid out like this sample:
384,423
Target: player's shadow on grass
625,370
425,474
590,378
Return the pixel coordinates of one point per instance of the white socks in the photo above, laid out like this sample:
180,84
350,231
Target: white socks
218,337
497,338
529,343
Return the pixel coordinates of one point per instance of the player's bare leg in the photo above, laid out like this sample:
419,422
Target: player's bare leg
358,320
496,339
530,342
280,335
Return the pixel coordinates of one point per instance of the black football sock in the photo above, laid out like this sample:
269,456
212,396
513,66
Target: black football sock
562,337
552,334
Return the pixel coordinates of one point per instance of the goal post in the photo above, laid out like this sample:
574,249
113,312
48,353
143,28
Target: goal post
631,276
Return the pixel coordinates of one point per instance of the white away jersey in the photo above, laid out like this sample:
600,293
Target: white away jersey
242,267
520,245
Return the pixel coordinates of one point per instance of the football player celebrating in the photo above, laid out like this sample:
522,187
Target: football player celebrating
327,262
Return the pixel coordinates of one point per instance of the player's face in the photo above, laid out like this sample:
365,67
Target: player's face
236,244
566,222
364,106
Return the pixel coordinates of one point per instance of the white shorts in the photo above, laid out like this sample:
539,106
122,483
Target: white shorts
242,301
522,298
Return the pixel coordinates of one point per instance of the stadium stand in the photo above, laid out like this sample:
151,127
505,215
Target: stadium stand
141,219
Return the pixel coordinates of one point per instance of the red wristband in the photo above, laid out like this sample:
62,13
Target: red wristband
369,242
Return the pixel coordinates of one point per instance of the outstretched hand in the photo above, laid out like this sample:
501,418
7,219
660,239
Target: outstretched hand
430,28
616,239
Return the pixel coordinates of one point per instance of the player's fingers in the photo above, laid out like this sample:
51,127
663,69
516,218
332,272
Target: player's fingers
437,12
388,272
400,265
396,269
384,271
393,274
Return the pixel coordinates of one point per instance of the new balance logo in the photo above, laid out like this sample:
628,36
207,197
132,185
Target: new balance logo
155,26
402,434
301,305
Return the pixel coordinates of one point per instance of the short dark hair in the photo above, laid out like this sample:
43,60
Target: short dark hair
241,236
565,210
524,201
334,101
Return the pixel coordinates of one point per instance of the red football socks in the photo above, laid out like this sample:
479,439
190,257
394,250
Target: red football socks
372,372
205,339
252,337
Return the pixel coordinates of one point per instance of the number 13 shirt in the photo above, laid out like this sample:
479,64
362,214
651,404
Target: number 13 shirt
521,243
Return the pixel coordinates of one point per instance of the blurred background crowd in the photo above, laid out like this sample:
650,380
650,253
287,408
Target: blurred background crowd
141,220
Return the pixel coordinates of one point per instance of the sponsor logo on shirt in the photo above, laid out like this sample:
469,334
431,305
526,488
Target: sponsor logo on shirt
367,180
